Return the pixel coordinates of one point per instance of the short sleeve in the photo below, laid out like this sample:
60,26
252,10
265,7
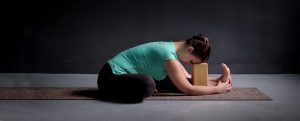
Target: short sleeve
170,56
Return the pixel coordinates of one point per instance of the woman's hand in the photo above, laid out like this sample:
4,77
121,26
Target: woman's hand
224,86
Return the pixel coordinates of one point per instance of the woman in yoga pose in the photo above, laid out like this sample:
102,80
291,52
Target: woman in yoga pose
137,72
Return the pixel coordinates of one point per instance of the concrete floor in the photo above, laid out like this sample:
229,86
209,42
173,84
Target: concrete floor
283,89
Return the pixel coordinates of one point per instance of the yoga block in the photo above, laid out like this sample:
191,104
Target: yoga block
200,74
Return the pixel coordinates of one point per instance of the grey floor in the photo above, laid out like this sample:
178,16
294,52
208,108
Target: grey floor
284,89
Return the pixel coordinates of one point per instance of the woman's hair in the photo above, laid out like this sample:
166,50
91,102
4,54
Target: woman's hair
201,46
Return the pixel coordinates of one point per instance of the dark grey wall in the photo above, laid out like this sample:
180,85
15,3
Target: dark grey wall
251,36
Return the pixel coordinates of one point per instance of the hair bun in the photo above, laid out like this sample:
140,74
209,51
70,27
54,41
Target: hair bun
198,36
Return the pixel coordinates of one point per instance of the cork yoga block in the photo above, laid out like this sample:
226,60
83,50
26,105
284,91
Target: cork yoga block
200,74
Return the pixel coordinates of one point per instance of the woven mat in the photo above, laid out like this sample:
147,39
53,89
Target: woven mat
90,93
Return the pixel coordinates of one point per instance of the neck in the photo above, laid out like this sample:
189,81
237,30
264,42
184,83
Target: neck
179,46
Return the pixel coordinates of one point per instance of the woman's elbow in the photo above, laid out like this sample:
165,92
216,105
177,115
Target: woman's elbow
189,90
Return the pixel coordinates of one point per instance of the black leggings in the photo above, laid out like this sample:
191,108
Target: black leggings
130,86
125,86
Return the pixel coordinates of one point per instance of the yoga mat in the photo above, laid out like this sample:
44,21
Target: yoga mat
91,93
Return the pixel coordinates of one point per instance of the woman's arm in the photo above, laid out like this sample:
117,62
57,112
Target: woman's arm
186,74
174,71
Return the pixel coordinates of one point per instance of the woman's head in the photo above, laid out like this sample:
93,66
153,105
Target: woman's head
198,47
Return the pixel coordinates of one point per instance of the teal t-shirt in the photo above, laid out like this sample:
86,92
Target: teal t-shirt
148,59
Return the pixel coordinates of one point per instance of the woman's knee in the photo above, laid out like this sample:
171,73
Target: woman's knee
149,86
141,84
132,85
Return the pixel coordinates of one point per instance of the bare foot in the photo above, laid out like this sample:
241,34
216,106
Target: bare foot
226,74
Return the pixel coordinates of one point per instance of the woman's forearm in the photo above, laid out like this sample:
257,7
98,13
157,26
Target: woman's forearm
204,90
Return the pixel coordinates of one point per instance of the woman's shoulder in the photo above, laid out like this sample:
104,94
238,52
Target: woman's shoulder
156,45
161,42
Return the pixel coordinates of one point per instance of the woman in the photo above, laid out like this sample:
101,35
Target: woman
136,72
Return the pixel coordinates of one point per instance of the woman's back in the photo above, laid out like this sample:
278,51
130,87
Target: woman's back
145,59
